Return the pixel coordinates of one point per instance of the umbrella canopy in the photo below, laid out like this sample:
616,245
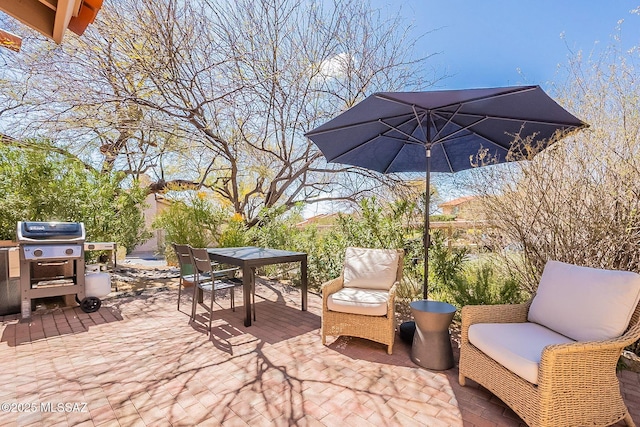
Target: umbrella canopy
442,131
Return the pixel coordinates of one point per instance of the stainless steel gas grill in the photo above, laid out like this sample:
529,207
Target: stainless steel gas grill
52,263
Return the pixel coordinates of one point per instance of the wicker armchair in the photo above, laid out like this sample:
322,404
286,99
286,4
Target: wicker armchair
576,381
351,320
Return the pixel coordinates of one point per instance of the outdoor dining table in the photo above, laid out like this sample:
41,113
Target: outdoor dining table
250,257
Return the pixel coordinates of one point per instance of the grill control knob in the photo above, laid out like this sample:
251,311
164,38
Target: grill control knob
37,252
69,251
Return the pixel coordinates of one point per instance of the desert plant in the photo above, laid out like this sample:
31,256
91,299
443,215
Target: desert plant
446,265
479,285
193,221
579,200
234,233
275,228
38,185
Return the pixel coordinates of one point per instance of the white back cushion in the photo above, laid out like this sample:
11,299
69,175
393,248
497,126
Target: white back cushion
585,304
370,268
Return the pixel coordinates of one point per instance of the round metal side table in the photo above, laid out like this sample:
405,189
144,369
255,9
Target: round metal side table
431,347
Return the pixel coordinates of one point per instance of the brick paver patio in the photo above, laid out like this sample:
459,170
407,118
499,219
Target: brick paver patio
138,361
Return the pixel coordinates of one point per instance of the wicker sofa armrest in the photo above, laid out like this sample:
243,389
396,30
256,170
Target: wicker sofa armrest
501,313
331,287
391,303
583,363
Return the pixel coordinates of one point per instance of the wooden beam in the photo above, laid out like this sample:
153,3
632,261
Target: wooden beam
65,10
10,41
31,13
51,4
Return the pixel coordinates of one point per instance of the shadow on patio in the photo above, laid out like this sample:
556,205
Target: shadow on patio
54,323
154,367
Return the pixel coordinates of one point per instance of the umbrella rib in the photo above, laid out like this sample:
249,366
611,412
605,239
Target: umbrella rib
352,125
452,135
419,122
448,138
391,127
386,169
448,122
404,141
446,157
483,118
350,150
505,118
480,98
462,129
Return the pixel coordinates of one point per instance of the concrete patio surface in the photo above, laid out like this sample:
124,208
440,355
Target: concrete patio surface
140,362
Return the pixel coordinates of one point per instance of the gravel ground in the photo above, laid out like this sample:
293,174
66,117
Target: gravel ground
137,277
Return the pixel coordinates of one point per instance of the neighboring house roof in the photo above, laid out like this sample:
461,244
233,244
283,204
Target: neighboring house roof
458,201
322,219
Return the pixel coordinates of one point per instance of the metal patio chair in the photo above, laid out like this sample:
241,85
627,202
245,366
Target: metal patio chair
209,279
187,278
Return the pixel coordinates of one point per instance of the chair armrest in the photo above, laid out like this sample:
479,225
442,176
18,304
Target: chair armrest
392,290
628,338
227,272
391,304
331,287
583,363
500,313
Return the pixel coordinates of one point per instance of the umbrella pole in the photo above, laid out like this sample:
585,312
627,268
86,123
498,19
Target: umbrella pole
426,237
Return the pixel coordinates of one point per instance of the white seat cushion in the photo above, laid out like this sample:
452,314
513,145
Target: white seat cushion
370,268
585,304
370,302
516,346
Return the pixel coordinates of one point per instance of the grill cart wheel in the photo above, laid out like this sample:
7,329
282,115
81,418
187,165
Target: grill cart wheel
90,304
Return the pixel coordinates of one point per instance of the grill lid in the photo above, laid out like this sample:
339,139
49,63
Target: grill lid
30,231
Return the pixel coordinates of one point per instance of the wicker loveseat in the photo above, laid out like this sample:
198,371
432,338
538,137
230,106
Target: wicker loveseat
361,302
553,359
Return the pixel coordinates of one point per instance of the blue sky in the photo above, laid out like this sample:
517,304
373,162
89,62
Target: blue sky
483,43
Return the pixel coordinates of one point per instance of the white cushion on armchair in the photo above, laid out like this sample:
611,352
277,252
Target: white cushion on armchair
585,304
516,346
368,302
370,268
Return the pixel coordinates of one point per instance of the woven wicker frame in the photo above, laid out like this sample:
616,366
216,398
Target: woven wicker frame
577,383
380,329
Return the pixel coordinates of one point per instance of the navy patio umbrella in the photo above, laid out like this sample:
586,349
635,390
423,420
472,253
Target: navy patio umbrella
443,131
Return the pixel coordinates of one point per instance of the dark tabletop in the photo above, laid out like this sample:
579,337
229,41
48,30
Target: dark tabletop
433,306
252,253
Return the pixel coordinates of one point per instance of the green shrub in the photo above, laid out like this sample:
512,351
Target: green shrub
234,233
457,278
37,185
193,221
374,226
276,228
325,255
480,284
445,265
